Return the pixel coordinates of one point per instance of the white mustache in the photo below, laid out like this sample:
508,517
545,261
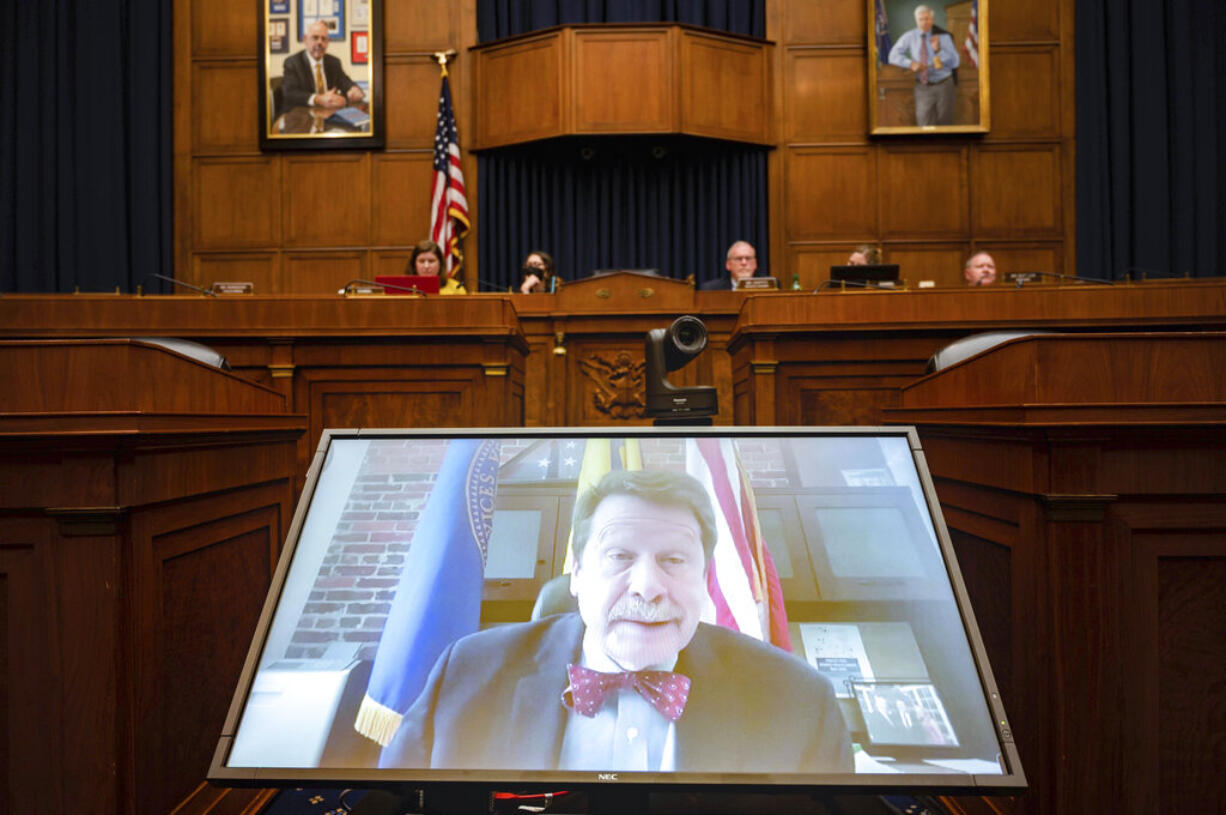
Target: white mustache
637,610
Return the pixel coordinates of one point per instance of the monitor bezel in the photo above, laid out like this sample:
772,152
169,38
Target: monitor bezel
1011,781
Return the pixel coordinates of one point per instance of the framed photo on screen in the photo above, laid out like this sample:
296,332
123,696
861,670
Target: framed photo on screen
321,82
928,66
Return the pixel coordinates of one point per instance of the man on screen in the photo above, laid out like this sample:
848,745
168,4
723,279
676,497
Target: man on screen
633,682
314,78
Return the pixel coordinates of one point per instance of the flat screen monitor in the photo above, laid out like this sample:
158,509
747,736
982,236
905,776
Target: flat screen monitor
569,608
424,284
866,274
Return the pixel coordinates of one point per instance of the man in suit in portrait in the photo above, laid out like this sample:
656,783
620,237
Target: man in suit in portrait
314,78
930,54
633,681
741,261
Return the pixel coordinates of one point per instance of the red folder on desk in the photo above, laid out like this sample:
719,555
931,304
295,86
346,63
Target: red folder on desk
425,284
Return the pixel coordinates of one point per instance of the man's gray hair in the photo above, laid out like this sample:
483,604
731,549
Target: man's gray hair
928,9
673,489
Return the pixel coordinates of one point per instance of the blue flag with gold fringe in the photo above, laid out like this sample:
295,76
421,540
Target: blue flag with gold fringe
438,599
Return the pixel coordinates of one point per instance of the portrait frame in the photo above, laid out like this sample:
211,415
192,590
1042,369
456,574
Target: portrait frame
959,101
287,120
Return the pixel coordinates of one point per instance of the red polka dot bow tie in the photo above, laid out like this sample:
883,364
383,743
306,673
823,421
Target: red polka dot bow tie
665,690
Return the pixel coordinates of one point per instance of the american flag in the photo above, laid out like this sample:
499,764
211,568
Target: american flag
742,581
972,35
449,202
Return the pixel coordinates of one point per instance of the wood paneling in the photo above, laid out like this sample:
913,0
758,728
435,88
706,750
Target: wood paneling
1025,92
1025,22
832,193
726,88
824,93
225,28
938,262
923,192
621,81
237,203
401,203
389,263
832,22
512,74
1017,192
231,199
421,26
323,272
261,270
412,90
327,200
224,86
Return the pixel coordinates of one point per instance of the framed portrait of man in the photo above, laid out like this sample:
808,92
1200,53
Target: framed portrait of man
321,75
928,66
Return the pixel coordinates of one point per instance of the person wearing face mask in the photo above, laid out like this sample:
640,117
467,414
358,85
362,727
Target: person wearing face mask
538,276
427,261
633,681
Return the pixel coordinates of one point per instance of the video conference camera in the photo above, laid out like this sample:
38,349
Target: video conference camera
669,349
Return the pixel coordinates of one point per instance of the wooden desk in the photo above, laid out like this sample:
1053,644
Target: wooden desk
1083,481
841,357
146,496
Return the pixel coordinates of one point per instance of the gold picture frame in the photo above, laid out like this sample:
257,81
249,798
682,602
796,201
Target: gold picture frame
916,88
349,113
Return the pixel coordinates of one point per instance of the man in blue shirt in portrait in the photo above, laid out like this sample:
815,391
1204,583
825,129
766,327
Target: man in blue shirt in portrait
930,54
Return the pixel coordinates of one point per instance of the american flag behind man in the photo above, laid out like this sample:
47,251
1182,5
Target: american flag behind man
972,35
449,203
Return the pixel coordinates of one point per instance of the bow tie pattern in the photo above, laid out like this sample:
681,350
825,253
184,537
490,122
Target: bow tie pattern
588,690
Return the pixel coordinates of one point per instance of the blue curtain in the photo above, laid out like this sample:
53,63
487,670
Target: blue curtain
618,203
506,18
85,144
665,203
1151,137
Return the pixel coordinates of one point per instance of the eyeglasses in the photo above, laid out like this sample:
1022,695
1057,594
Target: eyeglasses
743,258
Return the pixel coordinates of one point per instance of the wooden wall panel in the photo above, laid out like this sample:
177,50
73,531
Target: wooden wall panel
829,22
938,262
285,202
420,26
237,204
322,272
401,204
832,193
511,72
617,78
1025,93
327,200
923,191
1017,191
412,81
1025,192
725,88
1037,21
389,263
224,86
261,270
225,28
825,91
